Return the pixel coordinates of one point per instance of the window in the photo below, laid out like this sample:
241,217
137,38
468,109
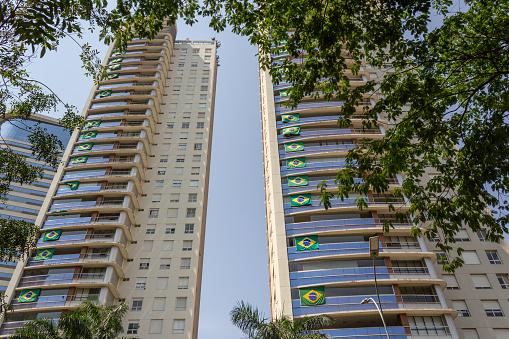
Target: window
471,258
185,125
191,80
187,245
180,72
168,135
169,230
195,57
141,283
203,88
192,72
183,50
189,228
132,326
181,158
165,264
177,184
184,136
500,333
195,171
462,235
481,235
461,307
163,158
206,72
194,65
156,326
452,283
137,304
183,283
172,115
181,304
174,97
188,105
493,257
208,50
191,212
187,115
481,282
190,88
431,325
179,170
170,125
153,213
470,333
151,229
199,135
435,238
201,115
176,88
189,96
166,147
207,57
197,147
204,80
203,96
144,264
193,183
162,283
178,326
159,304
503,279
196,50
182,147
185,263
159,184
175,197
200,125
180,65
161,171
173,105
492,308
196,158
167,245
442,258
182,57
193,197
206,64
156,197
172,213
148,244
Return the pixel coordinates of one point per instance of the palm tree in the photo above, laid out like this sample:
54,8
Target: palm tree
88,321
255,326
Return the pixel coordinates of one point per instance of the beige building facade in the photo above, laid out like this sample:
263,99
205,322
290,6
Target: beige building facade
319,261
124,219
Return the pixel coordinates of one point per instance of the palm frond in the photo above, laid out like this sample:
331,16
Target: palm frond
248,319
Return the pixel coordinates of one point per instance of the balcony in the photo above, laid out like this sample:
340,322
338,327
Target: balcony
89,189
395,332
331,105
321,277
329,226
312,150
58,279
315,119
311,167
54,301
110,203
315,205
117,162
109,219
125,148
86,239
126,114
312,186
112,175
327,133
330,250
71,258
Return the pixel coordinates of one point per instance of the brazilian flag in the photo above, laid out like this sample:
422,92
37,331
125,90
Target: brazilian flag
93,123
312,296
104,94
285,93
290,117
281,70
112,76
44,254
300,200
291,130
296,163
89,135
307,243
52,235
80,160
114,67
86,146
116,60
118,53
283,59
301,180
28,296
59,211
282,50
294,146
73,185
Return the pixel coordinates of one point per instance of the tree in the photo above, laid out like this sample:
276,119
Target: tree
88,321
255,326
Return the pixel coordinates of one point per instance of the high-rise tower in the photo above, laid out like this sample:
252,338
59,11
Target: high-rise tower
125,217
319,261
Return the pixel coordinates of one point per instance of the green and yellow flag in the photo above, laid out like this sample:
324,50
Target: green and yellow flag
73,185
291,130
116,60
112,76
283,59
283,42
80,160
296,163
59,211
300,200
301,180
114,67
282,70
44,254
106,93
294,146
312,296
52,235
29,295
307,243
93,123
282,50
286,92
290,117
89,135
86,146
119,53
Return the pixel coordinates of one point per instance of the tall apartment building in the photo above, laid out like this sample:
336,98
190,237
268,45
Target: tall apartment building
23,202
319,261
125,217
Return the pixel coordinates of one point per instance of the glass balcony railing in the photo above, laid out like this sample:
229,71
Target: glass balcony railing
321,132
366,333
328,225
312,185
330,249
67,222
315,205
53,279
70,258
306,120
320,277
318,166
94,189
308,106
55,301
69,239
316,149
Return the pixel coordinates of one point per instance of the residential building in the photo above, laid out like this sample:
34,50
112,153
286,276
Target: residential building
319,260
124,219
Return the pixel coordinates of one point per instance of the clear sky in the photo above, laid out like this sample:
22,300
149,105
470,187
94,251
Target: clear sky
235,258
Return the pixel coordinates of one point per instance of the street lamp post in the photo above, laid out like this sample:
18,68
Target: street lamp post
366,301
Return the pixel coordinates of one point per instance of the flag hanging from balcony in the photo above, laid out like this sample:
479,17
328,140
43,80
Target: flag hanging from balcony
73,185
58,211
89,135
296,163
312,296
300,200
282,70
291,130
31,295
286,92
52,235
290,117
307,243
80,160
93,123
294,146
104,94
118,53
86,146
301,180
117,60
112,76
44,254
114,67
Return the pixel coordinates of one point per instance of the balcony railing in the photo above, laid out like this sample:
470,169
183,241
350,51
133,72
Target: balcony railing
316,149
69,239
70,258
366,333
55,301
328,225
86,204
53,279
307,106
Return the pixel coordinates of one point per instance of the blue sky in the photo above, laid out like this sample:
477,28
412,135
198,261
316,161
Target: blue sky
235,259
